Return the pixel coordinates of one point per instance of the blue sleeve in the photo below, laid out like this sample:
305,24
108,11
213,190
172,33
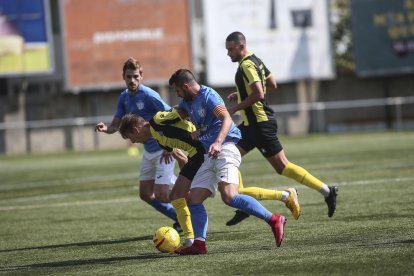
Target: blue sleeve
155,100
159,104
181,106
213,100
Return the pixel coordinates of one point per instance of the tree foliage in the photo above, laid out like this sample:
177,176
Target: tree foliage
342,36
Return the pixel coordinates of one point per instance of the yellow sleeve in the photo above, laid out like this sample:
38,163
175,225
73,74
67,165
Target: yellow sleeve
250,71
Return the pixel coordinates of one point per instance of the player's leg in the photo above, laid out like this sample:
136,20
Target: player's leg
149,171
199,221
258,137
269,145
202,187
178,200
289,197
282,165
252,207
227,172
181,190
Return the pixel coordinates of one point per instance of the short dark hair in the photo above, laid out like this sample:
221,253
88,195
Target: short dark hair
236,37
132,64
128,122
181,76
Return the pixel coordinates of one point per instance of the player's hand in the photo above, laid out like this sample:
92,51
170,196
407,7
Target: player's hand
166,157
214,150
232,97
195,135
231,110
101,127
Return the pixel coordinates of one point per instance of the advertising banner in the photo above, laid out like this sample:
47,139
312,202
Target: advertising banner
291,37
99,35
25,37
383,36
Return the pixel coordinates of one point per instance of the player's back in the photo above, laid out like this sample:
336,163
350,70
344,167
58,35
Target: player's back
171,131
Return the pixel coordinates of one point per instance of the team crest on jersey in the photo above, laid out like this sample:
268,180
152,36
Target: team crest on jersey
201,112
140,105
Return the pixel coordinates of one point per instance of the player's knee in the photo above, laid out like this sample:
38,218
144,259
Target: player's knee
145,196
226,198
163,197
175,195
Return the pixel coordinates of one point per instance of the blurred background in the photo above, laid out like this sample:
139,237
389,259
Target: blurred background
341,65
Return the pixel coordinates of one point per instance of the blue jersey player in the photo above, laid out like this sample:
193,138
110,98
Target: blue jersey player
219,171
157,165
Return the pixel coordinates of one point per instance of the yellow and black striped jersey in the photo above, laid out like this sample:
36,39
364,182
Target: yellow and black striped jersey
170,131
251,69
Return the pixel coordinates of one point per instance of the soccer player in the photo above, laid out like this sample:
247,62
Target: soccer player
259,126
157,165
218,134
172,133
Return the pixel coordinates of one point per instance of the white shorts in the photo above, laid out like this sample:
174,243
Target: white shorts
223,169
152,169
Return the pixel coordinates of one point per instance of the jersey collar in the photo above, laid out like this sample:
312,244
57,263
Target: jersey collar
245,57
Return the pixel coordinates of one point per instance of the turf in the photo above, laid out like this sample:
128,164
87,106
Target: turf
79,214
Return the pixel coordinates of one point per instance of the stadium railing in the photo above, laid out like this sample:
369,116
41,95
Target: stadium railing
78,123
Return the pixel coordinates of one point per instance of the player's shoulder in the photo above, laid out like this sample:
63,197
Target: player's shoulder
212,95
124,92
248,64
167,117
147,90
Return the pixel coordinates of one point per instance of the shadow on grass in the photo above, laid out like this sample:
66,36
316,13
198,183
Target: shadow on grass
90,243
70,263
103,261
386,243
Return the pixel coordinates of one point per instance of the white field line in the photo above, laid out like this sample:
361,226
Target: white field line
80,180
63,195
360,182
132,199
69,204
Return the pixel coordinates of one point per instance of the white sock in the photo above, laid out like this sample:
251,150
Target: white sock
189,242
285,195
325,190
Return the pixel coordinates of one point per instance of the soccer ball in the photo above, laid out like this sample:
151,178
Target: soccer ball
166,239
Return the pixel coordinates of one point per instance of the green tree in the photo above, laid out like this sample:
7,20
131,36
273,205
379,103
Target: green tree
342,36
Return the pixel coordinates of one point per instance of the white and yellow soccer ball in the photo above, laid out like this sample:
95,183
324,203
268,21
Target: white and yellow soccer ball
166,239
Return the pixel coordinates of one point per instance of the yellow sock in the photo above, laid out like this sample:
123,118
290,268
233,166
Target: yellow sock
261,193
302,176
258,193
240,181
184,217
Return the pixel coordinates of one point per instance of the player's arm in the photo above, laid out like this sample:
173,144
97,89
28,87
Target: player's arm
109,129
223,115
270,80
116,121
183,114
181,158
256,95
270,83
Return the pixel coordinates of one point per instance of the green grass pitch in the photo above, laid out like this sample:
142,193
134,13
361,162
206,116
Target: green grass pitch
79,214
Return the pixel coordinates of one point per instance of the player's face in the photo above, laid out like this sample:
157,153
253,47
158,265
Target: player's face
183,92
132,79
234,50
135,135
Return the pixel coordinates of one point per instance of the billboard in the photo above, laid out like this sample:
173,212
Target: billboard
25,37
99,35
291,37
383,36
